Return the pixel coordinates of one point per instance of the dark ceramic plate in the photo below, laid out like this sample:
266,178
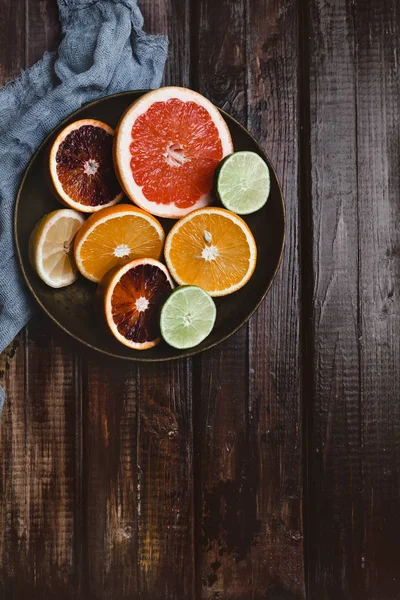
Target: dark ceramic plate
72,307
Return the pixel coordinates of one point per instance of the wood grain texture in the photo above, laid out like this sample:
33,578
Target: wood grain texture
38,544
105,466
171,18
110,480
138,433
42,28
354,454
165,489
336,481
227,523
138,481
40,432
12,39
274,349
165,437
247,417
138,468
377,35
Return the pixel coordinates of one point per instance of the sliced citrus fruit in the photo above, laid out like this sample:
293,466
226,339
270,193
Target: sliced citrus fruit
187,317
51,247
243,182
212,248
131,297
114,236
167,147
81,166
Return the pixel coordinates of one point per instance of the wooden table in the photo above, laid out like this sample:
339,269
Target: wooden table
267,468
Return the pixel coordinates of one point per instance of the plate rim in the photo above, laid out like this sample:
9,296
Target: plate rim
184,354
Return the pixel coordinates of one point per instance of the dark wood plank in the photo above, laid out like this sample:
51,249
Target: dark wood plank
40,425
378,135
43,32
354,449
247,395
138,467
335,450
110,480
138,436
38,456
171,17
165,435
165,486
14,513
228,526
12,39
274,356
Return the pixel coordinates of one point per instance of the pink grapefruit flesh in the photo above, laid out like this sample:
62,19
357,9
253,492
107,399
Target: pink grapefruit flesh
167,147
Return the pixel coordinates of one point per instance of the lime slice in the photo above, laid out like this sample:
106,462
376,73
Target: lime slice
187,317
243,182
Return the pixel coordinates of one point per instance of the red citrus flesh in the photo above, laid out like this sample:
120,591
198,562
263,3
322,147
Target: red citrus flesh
166,149
136,301
175,150
85,166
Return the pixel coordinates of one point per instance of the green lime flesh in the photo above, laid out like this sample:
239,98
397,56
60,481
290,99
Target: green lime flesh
187,317
243,182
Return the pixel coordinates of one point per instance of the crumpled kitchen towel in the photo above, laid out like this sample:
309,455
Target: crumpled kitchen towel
103,51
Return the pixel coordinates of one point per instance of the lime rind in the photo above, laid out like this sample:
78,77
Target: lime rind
187,317
243,182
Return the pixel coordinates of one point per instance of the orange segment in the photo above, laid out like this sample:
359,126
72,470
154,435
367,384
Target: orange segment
114,236
213,249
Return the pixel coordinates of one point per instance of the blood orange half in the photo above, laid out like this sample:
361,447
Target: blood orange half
166,149
131,297
81,166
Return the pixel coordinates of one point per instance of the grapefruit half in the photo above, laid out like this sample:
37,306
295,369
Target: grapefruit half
166,149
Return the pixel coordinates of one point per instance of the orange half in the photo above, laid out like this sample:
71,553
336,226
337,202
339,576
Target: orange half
114,236
82,174
212,248
131,297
